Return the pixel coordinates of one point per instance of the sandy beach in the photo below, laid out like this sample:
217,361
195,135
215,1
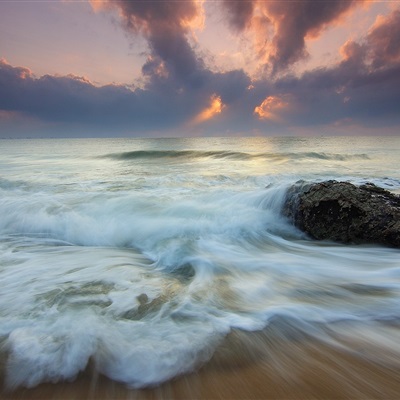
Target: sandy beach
265,365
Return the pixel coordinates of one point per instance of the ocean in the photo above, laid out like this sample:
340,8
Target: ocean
141,257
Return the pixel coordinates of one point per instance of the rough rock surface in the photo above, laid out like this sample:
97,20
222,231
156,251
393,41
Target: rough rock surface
346,213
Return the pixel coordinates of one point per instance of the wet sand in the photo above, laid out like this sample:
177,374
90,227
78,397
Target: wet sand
267,365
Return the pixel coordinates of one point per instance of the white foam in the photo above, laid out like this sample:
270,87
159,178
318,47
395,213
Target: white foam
143,267
143,354
51,352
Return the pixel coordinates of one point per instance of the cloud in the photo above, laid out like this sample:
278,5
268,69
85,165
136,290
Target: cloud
279,29
214,108
363,88
166,26
67,99
380,49
271,107
239,13
72,100
383,40
289,22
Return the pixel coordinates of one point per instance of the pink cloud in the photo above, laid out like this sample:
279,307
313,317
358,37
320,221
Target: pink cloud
380,48
384,39
290,22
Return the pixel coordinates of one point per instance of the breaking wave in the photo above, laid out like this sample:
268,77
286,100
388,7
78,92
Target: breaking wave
234,155
143,266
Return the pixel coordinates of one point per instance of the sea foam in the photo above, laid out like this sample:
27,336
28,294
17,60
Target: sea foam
139,257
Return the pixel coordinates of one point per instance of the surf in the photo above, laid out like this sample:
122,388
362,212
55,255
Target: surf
142,266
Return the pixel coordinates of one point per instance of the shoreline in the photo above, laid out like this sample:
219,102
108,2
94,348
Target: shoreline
263,365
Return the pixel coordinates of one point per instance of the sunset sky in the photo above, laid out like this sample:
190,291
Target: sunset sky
199,68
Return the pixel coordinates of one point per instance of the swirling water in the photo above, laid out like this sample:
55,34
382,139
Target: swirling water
143,254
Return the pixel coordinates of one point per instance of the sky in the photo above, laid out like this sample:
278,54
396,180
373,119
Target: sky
171,68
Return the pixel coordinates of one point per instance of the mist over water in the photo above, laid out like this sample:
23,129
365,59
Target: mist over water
142,255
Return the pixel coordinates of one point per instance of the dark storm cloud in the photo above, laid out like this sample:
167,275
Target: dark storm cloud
364,88
165,25
384,40
326,96
293,21
239,13
71,99
296,21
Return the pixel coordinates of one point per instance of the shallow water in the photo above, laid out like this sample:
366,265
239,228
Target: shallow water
143,255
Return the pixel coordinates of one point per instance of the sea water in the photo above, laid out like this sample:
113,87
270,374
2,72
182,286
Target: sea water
141,255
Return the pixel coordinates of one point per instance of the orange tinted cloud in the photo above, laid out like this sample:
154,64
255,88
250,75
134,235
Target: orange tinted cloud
384,39
215,107
280,28
271,108
96,6
380,48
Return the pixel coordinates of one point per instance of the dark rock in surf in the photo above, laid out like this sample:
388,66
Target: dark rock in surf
345,213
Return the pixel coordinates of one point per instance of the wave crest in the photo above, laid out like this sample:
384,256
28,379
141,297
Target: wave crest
236,155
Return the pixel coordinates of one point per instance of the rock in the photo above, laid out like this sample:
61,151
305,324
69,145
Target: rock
346,213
